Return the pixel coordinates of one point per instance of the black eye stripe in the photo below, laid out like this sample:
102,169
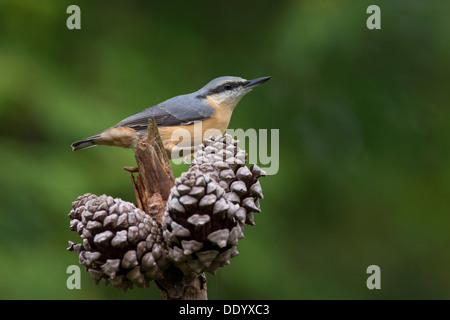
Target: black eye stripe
227,86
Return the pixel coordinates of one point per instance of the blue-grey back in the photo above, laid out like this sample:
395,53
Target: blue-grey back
178,110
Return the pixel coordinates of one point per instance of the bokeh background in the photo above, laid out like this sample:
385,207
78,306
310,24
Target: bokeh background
363,116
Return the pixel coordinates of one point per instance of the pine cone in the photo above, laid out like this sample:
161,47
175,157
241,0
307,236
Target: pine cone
222,159
120,243
199,224
210,205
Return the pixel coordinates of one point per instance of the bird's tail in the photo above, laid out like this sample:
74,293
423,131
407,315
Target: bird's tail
85,143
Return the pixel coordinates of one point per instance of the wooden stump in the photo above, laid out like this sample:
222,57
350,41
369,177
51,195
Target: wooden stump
152,189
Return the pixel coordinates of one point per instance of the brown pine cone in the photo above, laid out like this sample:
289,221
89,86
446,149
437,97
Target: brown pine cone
222,159
210,205
120,243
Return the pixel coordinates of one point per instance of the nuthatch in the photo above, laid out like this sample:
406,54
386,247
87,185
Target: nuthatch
212,105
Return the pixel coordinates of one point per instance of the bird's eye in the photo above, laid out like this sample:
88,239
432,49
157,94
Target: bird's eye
227,86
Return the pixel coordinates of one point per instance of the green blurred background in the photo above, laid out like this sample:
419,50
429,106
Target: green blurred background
364,136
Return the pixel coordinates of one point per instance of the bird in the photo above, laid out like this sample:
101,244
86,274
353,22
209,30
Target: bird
211,107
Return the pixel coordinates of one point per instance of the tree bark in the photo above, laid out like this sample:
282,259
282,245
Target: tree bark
152,189
177,286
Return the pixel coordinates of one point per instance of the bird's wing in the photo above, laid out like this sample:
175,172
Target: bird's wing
173,112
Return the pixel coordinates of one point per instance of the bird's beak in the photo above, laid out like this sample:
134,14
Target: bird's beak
256,82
